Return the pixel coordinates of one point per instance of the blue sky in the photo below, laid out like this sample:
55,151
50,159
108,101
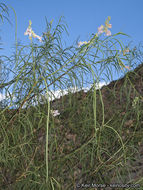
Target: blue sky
83,17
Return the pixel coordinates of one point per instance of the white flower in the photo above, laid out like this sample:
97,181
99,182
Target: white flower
108,25
39,37
82,43
126,51
31,33
55,113
135,102
28,32
100,29
108,32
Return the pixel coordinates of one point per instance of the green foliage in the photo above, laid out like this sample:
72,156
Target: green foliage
96,135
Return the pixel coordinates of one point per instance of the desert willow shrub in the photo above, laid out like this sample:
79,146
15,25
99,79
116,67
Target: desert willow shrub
48,63
58,65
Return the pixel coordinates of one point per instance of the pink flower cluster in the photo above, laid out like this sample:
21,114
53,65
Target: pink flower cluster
105,29
101,29
31,33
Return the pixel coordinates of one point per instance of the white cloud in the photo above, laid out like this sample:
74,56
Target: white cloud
2,96
58,93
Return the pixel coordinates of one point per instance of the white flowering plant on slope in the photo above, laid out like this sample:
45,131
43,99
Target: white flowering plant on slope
50,64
